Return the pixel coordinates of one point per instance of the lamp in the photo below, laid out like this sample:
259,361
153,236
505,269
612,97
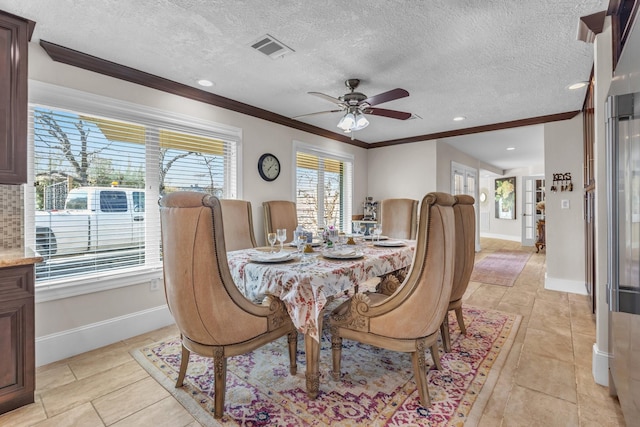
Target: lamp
353,120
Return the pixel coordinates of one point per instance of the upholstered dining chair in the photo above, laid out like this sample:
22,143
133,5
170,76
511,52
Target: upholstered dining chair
398,218
409,319
465,220
238,224
215,320
280,214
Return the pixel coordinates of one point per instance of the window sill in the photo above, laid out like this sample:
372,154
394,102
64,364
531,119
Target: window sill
72,287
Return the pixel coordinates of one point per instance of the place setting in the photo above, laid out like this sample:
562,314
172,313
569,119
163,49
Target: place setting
344,253
270,255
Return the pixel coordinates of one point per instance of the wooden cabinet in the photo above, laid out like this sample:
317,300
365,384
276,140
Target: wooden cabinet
15,33
17,337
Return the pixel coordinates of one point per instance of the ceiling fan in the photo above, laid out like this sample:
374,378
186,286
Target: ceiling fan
357,104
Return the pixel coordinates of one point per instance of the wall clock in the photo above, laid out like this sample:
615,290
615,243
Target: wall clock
268,167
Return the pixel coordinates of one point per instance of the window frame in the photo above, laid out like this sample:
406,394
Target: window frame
61,98
301,147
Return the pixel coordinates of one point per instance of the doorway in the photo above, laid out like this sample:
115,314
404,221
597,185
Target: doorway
464,180
532,208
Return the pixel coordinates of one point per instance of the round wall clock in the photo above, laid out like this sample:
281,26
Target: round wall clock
268,167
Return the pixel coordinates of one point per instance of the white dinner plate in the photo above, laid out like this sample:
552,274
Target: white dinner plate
342,254
271,258
375,238
390,243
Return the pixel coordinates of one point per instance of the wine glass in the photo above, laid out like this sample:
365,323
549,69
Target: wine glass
378,232
300,241
281,236
271,237
362,230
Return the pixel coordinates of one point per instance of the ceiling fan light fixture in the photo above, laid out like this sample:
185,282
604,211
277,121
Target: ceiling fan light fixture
361,122
347,122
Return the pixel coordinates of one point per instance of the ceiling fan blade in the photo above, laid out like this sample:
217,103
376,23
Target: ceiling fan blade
315,114
327,97
400,115
386,96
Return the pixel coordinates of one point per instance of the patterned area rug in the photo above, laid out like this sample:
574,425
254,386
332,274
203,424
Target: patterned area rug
500,268
377,387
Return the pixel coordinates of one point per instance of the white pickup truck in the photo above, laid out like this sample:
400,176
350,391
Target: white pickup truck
94,219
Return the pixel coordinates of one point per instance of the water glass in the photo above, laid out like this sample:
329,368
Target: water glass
281,236
271,237
378,231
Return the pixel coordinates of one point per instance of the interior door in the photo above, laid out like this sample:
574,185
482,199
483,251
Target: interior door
532,194
464,180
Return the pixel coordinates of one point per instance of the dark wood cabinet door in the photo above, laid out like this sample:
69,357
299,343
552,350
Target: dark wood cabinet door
17,338
14,42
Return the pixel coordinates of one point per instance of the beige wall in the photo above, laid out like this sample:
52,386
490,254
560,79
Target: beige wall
405,170
563,145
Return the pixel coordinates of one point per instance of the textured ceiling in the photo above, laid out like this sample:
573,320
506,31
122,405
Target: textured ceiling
491,61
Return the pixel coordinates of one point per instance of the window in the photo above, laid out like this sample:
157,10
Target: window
93,171
323,188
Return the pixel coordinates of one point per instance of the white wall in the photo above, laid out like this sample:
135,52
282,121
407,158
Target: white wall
563,144
110,313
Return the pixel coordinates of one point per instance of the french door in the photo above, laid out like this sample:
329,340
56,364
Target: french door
532,194
464,180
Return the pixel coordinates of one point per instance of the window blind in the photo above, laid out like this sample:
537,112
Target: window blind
97,183
323,190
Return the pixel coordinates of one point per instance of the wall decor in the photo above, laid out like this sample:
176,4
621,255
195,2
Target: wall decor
268,167
505,198
562,182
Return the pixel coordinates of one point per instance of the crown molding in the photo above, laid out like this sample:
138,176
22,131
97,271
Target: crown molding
102,66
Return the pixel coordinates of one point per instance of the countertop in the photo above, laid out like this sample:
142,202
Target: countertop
14,257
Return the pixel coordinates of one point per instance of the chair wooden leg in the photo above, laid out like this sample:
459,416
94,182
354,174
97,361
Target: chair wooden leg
460,320
220,367
420,374
444,333
184,361
336,353
293,349
436,356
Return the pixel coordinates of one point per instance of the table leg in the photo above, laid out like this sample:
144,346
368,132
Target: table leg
312,351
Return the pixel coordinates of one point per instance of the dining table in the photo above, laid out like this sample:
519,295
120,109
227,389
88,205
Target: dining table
307,282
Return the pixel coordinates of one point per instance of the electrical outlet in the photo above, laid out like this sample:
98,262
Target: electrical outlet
564,204
155,285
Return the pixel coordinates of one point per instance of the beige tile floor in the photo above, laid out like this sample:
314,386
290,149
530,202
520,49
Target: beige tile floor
546,381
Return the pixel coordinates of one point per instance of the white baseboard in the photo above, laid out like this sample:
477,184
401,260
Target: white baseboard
58,346
565,285
501,237
600,366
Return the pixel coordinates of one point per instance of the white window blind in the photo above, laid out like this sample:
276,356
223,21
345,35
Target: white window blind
323,189
98,180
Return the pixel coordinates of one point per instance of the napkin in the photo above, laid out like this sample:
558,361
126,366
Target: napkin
345,252
274,256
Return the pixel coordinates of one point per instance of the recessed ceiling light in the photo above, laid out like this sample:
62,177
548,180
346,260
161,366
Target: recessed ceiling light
459,118
511,148
205,83
578,85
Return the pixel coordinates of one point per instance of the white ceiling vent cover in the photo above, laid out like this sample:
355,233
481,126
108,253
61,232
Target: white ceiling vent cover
271,47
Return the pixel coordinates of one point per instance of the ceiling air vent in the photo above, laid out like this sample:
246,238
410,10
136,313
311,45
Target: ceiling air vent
271,47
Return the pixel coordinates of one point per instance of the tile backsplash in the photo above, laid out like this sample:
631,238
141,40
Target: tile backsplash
12,216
